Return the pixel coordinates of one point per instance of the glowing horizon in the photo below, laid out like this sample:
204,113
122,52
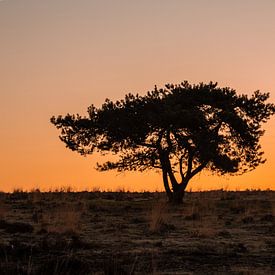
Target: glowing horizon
59,57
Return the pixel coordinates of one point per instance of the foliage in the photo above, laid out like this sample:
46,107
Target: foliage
181,128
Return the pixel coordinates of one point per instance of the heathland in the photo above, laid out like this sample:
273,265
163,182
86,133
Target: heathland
137,233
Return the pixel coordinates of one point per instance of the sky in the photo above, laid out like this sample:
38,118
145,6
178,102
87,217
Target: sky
60,56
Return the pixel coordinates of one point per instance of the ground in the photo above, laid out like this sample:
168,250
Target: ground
215,232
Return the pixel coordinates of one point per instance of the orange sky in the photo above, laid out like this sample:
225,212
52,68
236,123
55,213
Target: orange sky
60,56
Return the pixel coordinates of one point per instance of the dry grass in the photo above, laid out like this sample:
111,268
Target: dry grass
4,209
137,233
159,217
62,220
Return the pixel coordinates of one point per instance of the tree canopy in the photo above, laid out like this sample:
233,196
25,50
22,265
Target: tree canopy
178,129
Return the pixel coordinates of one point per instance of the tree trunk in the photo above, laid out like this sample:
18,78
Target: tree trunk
174,190
177,195
166,185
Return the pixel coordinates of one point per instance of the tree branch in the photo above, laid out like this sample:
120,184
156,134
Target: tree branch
198,169
190,163
166,184
149,145
170,172
181,171
169,142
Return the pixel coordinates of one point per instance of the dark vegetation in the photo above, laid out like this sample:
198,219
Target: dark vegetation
137,233
179,130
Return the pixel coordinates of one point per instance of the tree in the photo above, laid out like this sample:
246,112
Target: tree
179,130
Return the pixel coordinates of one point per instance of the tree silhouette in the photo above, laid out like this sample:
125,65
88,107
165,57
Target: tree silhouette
179,130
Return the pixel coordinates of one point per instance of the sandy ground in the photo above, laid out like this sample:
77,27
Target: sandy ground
215,232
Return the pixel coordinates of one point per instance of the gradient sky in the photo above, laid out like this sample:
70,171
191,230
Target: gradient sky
60,56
